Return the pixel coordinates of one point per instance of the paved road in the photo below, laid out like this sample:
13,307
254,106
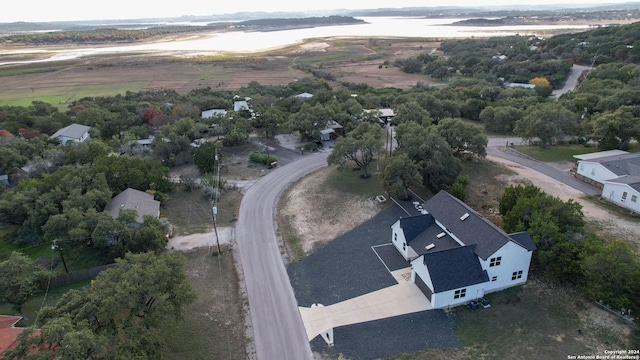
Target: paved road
562,176
572,80
277,326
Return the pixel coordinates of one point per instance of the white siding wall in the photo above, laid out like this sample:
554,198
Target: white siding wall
399,241
594,171
447,298
65,139
614,191
514,258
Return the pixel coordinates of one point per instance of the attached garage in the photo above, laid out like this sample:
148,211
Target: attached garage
423,287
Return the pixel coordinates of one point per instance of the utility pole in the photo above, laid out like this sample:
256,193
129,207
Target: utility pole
55,246
214,208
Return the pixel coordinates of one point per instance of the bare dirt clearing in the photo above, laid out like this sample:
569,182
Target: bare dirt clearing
319,214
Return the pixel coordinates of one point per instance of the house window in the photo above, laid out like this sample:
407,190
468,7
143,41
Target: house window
460,293
581,167
395,237
494,278
624,196
495,261
404,246
593,171
516,275
634,198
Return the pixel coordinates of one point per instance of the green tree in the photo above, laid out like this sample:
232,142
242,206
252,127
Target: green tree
20,279
360,145
611,275
463,137
547,123
500,119
614,130
310,120
116,317
459,187
399,174
122,172
205,157
438,166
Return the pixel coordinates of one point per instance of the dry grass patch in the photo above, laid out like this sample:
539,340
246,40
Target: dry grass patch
214,325
313,212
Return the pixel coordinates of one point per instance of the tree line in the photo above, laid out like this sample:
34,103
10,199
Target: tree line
605,270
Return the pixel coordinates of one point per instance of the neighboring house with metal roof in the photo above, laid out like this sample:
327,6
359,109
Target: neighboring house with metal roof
304,95
616,172
623,191
240,106
596,168
384,115
136,200
457,255
73,132
213,112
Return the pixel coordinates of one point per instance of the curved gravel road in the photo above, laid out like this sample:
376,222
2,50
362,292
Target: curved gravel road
277,326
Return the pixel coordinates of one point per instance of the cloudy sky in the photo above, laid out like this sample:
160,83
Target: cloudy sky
61,10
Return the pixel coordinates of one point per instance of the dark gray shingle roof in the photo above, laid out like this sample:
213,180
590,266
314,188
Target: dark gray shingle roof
422,231
473,230
523,239
454,268
414,225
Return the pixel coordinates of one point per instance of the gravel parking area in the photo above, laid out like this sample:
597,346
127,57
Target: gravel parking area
349,267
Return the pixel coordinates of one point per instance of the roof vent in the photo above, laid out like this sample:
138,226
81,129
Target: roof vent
441,235
429,247
463,217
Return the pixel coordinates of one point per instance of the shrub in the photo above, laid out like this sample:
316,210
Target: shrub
310,146
262,158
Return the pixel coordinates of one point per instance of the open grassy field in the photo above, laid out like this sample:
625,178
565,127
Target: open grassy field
356,60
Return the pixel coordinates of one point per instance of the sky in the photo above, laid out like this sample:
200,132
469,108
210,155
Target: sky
67,10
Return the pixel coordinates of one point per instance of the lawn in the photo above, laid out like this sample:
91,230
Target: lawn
535,321
35,303
349,182
555,153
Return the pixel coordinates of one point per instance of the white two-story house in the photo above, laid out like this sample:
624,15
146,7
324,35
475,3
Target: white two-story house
457,255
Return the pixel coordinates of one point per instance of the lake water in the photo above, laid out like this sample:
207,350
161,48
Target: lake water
240,41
